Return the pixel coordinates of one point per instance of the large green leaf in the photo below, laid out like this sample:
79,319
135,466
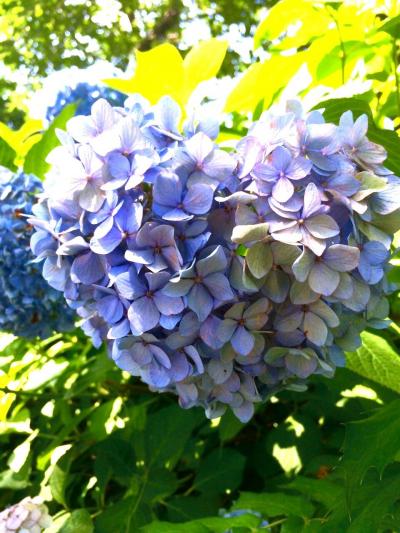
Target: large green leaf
79,521
274,504
376,360
371,443
35,160
248,522
7,155
222,470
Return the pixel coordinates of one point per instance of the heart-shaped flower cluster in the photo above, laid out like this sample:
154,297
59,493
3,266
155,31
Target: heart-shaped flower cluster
221,277
28,306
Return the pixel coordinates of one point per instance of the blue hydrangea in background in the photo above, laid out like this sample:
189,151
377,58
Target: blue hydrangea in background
85,94
28,306
222,277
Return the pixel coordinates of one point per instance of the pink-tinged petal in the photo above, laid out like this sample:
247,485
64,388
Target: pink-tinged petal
315,329
342,258
323,280
312,200
283,189
322,226
143,315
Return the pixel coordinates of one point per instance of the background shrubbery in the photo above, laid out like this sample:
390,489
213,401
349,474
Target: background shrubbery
108,455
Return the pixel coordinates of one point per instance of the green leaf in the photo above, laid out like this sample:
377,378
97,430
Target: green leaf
58,484
7,155
370,443
259,259
167,432
392,26
123,517
79,520
371,503
219,471
274,503
206,525
35,160
376,360
249,233
320,490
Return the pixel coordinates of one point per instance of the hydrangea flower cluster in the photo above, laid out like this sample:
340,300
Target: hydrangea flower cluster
30,515
86,94
221,277
28,306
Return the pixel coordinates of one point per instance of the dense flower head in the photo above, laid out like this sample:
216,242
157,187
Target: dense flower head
28,306
84,94
30,515
223,277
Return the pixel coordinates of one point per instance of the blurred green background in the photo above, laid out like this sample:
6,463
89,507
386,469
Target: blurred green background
106,454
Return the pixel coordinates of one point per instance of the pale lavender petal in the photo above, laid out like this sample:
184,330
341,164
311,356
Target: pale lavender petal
312,200
322,226
283,189
341,257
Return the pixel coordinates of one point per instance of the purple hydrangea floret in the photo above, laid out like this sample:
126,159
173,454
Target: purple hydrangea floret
221,276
